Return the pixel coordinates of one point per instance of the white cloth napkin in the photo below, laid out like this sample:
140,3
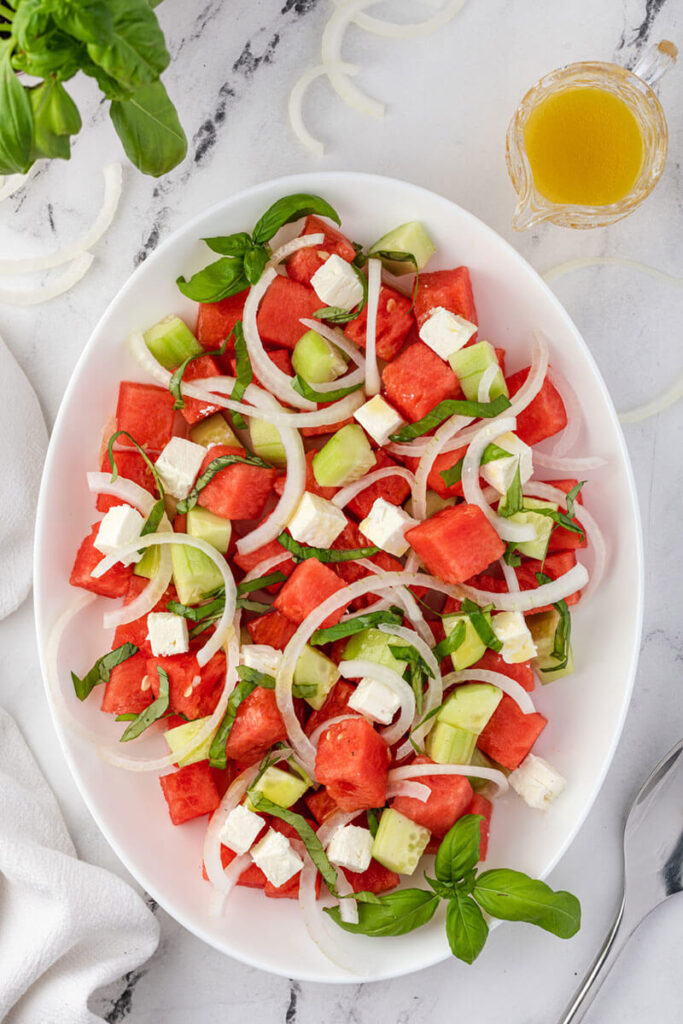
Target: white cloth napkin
22,453
66,927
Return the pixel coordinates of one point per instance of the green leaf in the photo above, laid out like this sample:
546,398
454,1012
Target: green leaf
152,521
451,407
134,52
150,465
466,929
219,280
148,126
513,896
304,388
247,586
481,621
230,245
288,209
314,847
244,374
43,49
89,21
339,315
267,682
55,118
101,670
454,474
129,716
197,613
373,820
563,631
354,625
253,606
459,850
255,260
303,551
559,518
222,462
455,639
397,913
572,495
514,499
217,754
156,710
512,556
16,119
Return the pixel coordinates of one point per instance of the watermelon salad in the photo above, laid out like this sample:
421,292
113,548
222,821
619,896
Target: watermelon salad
337,563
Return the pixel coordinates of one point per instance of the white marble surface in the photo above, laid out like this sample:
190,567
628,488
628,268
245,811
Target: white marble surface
449,98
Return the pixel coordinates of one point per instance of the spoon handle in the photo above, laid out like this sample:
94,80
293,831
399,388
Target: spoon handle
617,938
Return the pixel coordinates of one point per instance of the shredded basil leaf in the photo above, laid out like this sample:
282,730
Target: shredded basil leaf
156,710
337,315
563,630
512,556
454,474
572,495
244,374
303,388
303,551
314,847
513,501
154,518
101,670
260,583
150,465
451,643
559,518
451,407
355,625
253,606
267,682
222,462
427,717
481,620
218,757
373,819
199,612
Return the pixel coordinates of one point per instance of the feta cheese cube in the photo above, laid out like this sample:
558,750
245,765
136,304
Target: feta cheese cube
351,847
537,782
336,283
316,521
386,525
375,700
120,526
501,472
378,419
445,332
262,657
167,634
240,829
513,632
276,858
179,464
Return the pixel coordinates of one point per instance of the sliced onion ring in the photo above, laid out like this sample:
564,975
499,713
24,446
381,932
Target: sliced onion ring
44,292
333,36
415,771
348,493
358,668
471,487
372,379
505,683
414,790
296,99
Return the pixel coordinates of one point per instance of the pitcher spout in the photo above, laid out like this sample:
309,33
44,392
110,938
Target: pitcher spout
527,214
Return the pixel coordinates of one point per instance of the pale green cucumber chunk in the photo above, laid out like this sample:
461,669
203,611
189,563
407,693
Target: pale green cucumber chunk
547,662
346,457
470,706
542,627
280,787
194,574
184,734
215,530
399,842
434,503
448,745
315,667
266,442
171,341
410,237
543,526
214,430
471,649
317,360
469,364
373,645
480,760
148,566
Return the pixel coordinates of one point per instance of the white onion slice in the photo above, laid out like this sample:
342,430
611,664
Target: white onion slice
44,292
348,493
415,771
527,600
360,668
348,909
434,694
486,381
231,877
414,790
560,464
574,409
126,490
372,379
113,176
333,36
412,30
320,729
510,575
505,683
314,919
337,337
471,487
296,99
294,244
427,460
405,598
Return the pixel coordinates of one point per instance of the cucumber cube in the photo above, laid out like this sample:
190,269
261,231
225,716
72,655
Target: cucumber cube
470,706
469,364
171,341
266,442
317,360
542,627
480,759
314,667
346,457
373,645
183,734
148,566
410,237
399,842
194,574
280,787
449,745
215,530
213,430
471,649
542,524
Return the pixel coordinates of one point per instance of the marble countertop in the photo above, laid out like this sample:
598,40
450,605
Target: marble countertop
448,99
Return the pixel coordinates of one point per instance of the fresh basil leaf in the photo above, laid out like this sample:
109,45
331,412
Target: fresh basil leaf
254,263
362,897
572,495
339,315
451,407
197,613
156,710
288,209
559,518
152,521
459,850
230,245
130,716
514,499
222,462
303,551
454,474
43,49
355,625
513,896
302,387
247,586
455,639
563,631
89,21
16,122
244,374
406,652
150,465
481,620
218,757
314,847
253,606
466,929
373,815
512,556
430,714
360,259
55,118
399,912
147,124
134,52
101,670
219,280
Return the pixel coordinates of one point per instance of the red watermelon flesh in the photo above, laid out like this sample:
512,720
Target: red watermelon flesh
375,878
456,542
450,289
325,428
239,491
394,322
146,412
302,265
336,703
522,672
562,539
274,629
215,321
321,805
193,691
449,799
480,805
131,466
281,310
114,583
310,584
256,728
417,380
393,489
352,760
190,792
123,693
196,410
509,734
544,416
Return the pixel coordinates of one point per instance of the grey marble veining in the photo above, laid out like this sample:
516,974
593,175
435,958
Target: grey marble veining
448,100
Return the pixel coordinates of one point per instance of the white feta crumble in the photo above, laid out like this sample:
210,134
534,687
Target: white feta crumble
316,521
351,847
240,829
276,858
386,526
537,782
445,332
336,283
375,700
167,634
261,657
119,527
501,472
513,632
179,464
378,419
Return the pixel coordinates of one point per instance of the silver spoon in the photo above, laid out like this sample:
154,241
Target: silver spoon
653,869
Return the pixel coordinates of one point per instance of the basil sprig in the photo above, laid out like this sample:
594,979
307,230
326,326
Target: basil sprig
454,474
244,374
563,630
101,670
303,551
508,895
156,710
392,617
339,315
303,388
150,465
451,407
244,256
514,502
214,467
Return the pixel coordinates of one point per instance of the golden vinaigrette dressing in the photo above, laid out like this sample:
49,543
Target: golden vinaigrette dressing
584,146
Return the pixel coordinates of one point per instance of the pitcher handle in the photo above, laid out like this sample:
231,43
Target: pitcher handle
656,61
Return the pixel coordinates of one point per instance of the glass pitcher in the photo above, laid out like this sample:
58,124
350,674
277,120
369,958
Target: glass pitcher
634,88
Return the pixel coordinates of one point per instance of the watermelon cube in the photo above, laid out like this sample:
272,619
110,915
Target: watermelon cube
450,289
302,265
480,805
252,877
215,321
114,583
562,539
352,760
193,691
274,629
279,356
190,792
281,310
123,692
375,878
509,734
394,322
456,542
417,380
196,410
321,805
310,584
311,482
393,489
239,491
256,728
544,416
269,550
450,796
131,466
146,412
521,672
336,703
